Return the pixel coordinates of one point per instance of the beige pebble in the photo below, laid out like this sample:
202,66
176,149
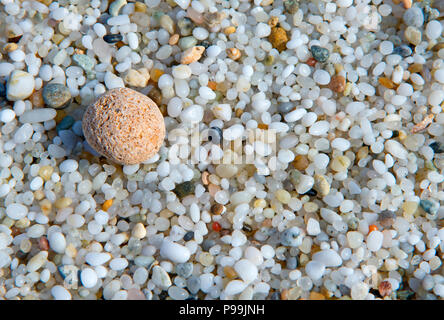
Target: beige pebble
173,39
139,231
125,126
233,53
137,78
192,54
167,23
413,35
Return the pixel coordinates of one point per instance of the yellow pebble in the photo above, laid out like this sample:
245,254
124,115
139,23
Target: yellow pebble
155,74
22,223
229,30
283,196
45,206
107,204
206,259
230,272
63,203
139,6
45,172
340,163
348,88
260,203
233,53
9,47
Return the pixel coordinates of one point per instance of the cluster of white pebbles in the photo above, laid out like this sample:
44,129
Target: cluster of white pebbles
359,219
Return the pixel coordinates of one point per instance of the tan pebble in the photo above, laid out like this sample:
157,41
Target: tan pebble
423,124
214,19
195,16
385,288
229,30
337,83
173,39
213,189
233,53
125,126
278,38
9,47
265,3
192,54
204,177
322,184
139,6
167,23
139,231
407,3
273,21
43,244
301,162
136,78
413,35
217,209
36,98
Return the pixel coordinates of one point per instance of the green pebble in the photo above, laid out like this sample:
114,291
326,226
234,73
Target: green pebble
65,124
187,42
320,54
184,189
83,61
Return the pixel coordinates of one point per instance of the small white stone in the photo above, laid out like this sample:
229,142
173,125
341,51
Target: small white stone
315,270
175,252
328,257
57,242
374,240
16,211
60,293
20,85
97,258
235,287
88,277
246,270
161,278
313,227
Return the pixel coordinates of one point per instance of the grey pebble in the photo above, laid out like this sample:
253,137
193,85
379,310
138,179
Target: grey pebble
193,284
56,95
413,17
285,107
184,270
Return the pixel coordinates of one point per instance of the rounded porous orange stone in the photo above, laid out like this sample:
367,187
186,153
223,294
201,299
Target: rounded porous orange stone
125,126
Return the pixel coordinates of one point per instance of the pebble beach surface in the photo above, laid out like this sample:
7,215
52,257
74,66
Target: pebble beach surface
346,203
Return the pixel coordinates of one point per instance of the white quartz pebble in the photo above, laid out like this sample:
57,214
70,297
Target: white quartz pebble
315,270
174,251
88,277
97,258
60,293
246,270
57,242
374,240
16,211
328,257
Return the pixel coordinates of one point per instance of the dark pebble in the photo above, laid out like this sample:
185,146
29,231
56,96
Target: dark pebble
345,291
285,107
185,26
405,294
403,51
395,134
56,95
188,236
386,218
184,270
207,244
320,54
292,263
437,147
215,135
276,295
163,295
112,38
191,297
311,193
204,44
429,206
65,124
2,90
184,189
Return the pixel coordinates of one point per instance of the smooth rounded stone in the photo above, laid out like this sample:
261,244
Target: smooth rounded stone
413,17
328,257
226,170
57,242
38,115
315,270
359,291
118,264
434,29
403,50
20,85
305,184
24,133
161,278
95,259
68,166
319,128
60,293
16,211
254,255
177,293
413,35
112,38
192,114
7,115
235,287
354,239
56,95
193,284
88,278
321,77
285,107
66,123
181,71
313,227
83,61
184,270
320,54
222,111
125,126
396,149
175,252
37,261
246,270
